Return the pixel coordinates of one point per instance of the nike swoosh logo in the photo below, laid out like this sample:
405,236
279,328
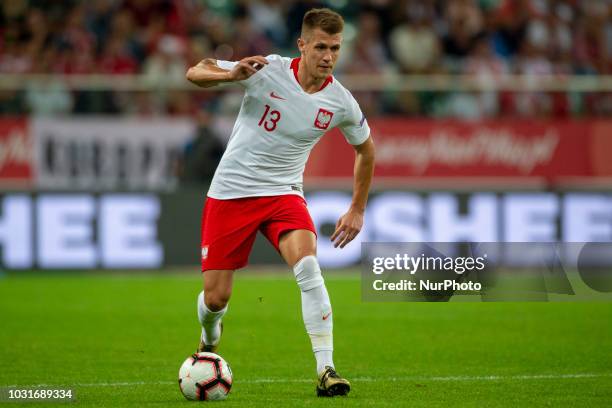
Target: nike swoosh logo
273,95
327,315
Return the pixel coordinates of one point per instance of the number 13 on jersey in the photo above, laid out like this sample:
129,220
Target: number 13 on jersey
269,119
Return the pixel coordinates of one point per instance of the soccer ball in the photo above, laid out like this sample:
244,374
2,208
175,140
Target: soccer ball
205,377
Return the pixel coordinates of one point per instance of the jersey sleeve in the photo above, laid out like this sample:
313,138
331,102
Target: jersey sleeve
354,127
273,60
228,65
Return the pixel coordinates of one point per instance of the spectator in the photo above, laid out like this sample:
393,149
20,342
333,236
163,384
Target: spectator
295,14
487,68
117,59
485,38
533,62
591,48
49,97
75,35
247,40
414,43
511,25
367,55
168,62
202,155
268,16
465,23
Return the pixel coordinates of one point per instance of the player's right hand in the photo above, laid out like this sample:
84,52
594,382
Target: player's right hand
247,67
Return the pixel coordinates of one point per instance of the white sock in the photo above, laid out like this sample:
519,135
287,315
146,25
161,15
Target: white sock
316,310
211,331
324,359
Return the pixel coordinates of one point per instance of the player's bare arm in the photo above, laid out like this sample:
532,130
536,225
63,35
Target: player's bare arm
350,224
207,73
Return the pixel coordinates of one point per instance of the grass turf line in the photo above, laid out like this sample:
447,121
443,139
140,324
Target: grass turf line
97,329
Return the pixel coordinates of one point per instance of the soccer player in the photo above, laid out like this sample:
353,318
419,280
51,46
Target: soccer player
288,105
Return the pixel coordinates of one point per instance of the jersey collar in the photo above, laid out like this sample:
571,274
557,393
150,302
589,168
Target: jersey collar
295,63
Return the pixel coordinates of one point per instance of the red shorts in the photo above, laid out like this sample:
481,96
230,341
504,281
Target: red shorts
229,227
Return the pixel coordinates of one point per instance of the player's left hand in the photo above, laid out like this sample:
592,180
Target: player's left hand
347,228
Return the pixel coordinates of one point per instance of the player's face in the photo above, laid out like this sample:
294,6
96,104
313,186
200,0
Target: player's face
320,52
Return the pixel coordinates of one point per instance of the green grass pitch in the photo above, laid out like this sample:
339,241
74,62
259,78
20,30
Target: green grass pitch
119,340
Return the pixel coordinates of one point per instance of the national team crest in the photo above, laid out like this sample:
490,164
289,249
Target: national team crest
323,119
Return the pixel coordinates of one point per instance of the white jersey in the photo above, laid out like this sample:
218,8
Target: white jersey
277,127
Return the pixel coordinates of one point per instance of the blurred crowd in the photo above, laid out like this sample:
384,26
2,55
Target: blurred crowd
161,38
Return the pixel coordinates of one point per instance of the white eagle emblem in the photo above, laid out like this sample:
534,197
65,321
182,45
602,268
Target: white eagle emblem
323,119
